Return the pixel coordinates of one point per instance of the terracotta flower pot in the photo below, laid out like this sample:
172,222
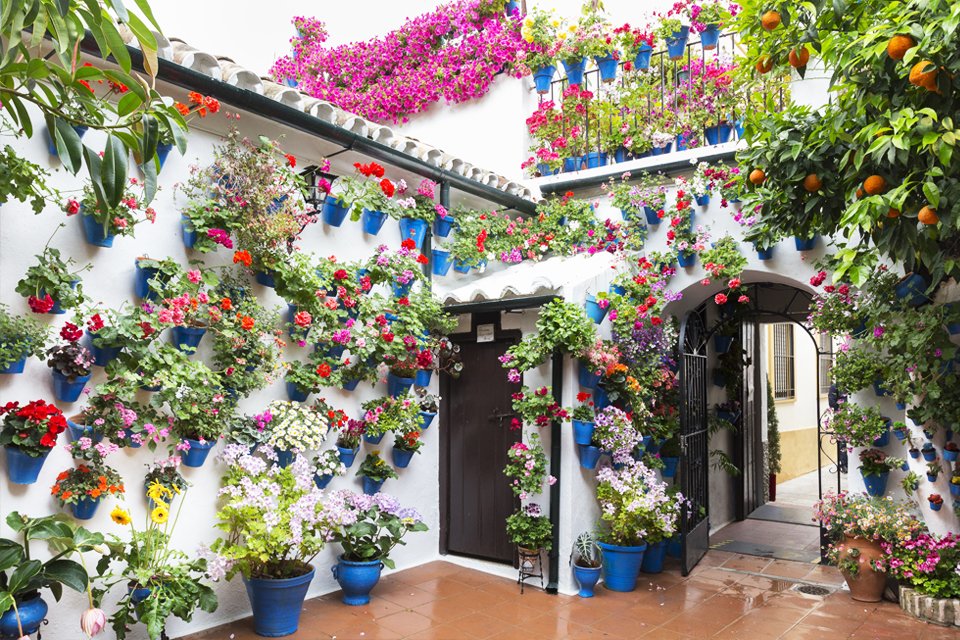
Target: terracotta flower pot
867,585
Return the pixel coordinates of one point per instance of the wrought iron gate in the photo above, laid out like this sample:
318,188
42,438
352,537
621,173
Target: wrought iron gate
694,464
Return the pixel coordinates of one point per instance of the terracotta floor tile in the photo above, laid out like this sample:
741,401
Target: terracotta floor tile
837,624
481,625
785,569
746,563
406,622
405,595
440,611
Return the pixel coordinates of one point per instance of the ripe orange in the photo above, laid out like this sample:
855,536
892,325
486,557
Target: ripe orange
899,45
799,57
928,215
764,64
812,183
757,176
859,193
924,74
770,20
874,185
893,213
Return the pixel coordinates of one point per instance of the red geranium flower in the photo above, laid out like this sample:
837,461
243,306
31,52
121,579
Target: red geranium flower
323,370
95,323
71,332
387,187
40,305
291,160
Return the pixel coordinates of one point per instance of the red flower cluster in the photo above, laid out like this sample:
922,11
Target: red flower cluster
95,323
71,332
340,274
387,187
408,244
323,370
291,160
40,305
199,103
372,169
35,419
242,257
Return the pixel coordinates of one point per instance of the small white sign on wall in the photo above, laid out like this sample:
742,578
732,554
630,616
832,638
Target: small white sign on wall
485,333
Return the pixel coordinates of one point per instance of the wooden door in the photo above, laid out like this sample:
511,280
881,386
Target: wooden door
475,495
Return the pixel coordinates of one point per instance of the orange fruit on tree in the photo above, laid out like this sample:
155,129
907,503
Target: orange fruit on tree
757,176
924,74
770,20
928,215
764,64
898,46
893,213
812,183
799,57
859,193
874,185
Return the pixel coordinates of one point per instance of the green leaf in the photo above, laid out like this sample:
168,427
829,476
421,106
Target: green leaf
69,145
144,6
116,44
119,9
149,168
113,171
932,193
67,572
23,574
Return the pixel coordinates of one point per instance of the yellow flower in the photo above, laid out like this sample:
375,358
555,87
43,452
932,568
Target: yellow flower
528,21
160,515
159,493
572,28
120,516
562,35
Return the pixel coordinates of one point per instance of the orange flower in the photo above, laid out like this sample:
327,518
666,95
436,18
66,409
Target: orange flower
63,476
211,103
195,97
247,323
66,495
226,304
55,489
95,493
242,257
323,370
182,108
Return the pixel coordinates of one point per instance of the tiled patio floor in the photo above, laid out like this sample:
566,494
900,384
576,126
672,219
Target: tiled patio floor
729,597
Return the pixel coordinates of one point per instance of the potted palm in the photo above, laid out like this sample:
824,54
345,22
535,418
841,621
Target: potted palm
22,609
28,434
20,338
375,471
367,530
586,559
270,545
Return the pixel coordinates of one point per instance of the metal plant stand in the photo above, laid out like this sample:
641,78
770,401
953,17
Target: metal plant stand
531,566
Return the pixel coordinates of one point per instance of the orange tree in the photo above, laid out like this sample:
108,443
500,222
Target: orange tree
875,168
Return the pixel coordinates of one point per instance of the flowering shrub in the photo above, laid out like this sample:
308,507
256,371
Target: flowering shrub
32,428
273,518
636,507
530,528
120,219
536,407
527,465
369,527
92,479
452,53
400,415
328,464
615,433
350,433
51,281
541,43
857,515
874,462
376,468
929,563
296,427
409,441
855,425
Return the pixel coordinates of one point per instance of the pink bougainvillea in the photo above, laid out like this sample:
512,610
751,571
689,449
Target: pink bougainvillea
452,53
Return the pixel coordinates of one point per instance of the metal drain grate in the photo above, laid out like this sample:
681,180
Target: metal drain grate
812,590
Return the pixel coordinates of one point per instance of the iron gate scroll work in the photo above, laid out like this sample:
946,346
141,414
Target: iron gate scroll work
694,465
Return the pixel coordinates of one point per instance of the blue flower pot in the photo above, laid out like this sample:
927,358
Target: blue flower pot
677,43
545,169
722,344
422,379
187,233
574,70
16,366
608,67
198,452
322,480
265,278
883,440
929,454
426,419
955,490
373,439
141,282
621,565
719,380
913,289
67,391
718,134
600,399
729,416
950,456
350,385
163,150
935,507
805,244
128,434
21,468
652,217
32,612
356,579
675,546
587,378
900,434
594,311
583,432
596,159
512,7
401,457
413,228
876,485
617,289
657,151
587,578
710,37
642,60
52,148
442,261
94,232
702,201
373,221
397,386
914,453
905,466
572,164
371,486
277,604
681,143
333,212
285,458
670,467
620,155
879,389
102,355
347,456
653,557
187,338
764,254
295,393
542,78
85,509
139,594
78,431
589,455
443,226
686,258
461,267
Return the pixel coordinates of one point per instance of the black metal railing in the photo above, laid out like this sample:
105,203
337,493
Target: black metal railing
669,78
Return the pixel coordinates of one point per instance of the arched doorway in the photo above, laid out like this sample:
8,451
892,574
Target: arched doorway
745,494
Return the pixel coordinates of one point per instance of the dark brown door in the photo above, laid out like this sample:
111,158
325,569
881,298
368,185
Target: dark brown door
475,495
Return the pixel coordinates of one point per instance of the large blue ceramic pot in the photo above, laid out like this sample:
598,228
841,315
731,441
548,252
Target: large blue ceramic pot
277,604
621,566
357,579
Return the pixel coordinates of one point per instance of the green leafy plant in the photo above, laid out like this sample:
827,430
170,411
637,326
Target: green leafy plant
24,180
20,337
369,529
562,326
586,552
376,468
774,453
855,425
530,529
52,280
